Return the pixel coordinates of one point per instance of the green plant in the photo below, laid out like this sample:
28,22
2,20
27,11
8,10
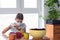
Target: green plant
53,12
51,3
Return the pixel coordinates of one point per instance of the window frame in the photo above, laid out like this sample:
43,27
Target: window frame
20,8
31,10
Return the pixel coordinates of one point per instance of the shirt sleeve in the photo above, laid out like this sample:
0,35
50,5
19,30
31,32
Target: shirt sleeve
11,25
23,26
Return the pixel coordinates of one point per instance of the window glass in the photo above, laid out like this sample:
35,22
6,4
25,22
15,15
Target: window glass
7,3
30,3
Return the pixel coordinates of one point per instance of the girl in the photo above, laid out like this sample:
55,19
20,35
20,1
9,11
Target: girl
18,25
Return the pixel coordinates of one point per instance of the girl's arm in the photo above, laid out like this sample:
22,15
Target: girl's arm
5,30
24,27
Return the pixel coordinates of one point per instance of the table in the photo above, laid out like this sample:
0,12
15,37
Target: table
4,38
34,39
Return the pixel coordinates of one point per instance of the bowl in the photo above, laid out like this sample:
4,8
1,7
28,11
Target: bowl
37,33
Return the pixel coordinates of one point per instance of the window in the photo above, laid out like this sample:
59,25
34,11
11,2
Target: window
30,3
8,4
25,7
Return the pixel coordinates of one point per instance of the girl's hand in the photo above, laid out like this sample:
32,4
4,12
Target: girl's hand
4,36
16,26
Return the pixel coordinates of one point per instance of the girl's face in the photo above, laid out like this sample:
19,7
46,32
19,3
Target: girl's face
18,20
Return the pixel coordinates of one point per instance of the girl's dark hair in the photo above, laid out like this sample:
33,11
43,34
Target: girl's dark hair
19,16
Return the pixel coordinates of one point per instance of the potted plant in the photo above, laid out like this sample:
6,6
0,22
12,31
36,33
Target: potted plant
53,12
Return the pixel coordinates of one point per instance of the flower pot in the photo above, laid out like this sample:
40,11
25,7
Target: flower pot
52,21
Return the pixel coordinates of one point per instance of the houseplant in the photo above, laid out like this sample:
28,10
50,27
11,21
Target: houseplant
53,11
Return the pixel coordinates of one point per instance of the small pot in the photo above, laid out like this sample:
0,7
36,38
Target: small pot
26,35
12,36
18,35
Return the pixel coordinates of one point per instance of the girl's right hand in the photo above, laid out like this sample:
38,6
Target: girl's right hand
4,35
